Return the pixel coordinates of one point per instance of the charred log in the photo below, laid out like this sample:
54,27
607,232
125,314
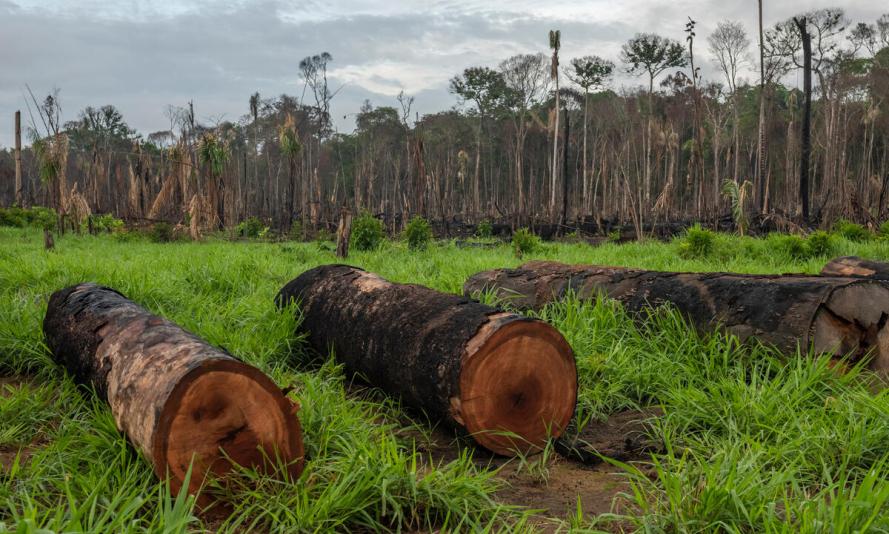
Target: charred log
833,315
508,380
855,267
176,398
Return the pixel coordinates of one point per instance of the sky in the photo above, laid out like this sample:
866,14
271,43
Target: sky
143,55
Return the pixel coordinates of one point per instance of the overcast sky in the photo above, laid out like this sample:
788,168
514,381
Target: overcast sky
141,55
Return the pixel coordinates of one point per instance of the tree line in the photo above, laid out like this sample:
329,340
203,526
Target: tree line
532,140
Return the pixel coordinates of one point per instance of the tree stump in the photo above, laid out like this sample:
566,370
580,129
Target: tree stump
839,315
855,267
507,380
172,394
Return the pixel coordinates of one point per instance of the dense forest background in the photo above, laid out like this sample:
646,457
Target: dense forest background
539,139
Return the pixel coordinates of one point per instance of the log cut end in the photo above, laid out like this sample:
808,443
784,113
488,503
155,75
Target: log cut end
853,321
855,267
226,412
518,385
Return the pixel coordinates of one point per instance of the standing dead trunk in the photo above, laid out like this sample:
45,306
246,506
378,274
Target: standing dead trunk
18,160
855,267
508,380
806,132
838,315
178,399
344,233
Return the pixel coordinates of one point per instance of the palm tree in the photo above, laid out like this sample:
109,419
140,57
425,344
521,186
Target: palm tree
737,194
555,42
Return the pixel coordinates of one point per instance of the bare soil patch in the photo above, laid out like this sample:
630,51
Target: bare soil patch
577,473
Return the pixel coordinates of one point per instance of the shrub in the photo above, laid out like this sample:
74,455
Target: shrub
161,232
44,218
250,227
820,243
792,246
418,233
324,235
524,242
367,232
296,230
484,229
14,217
884,230
697,243
106,223
614,236
851,231
39,217
817,244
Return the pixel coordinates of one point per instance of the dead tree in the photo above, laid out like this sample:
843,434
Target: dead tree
344,233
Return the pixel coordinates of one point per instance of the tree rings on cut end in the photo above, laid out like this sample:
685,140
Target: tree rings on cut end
518,385
853,322
225,412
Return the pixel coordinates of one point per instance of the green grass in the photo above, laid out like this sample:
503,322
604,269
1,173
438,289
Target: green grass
755,441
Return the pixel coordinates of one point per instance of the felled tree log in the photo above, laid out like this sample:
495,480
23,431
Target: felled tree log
172,394
839,315
509,381
855,267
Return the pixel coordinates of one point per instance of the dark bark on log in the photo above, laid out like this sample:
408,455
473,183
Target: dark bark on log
172,394
839,315
855,267
471,365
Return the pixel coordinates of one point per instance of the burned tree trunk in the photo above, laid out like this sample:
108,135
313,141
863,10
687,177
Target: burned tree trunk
508,380
344,233
172,394
855,267
839,315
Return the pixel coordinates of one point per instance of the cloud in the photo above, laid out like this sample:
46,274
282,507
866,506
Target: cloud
142,56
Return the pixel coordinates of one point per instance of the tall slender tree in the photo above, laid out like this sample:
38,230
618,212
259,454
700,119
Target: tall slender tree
555,43
729,45
288,141
486,89
590,73
651,54
527,82
254,113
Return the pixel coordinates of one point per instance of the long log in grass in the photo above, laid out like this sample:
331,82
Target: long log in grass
508,380
831,314
176,398
855,267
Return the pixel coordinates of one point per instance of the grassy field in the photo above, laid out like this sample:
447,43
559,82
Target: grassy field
753,441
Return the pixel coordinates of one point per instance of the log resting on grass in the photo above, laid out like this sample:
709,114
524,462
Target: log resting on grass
172,394
845,316
508,380
855,267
